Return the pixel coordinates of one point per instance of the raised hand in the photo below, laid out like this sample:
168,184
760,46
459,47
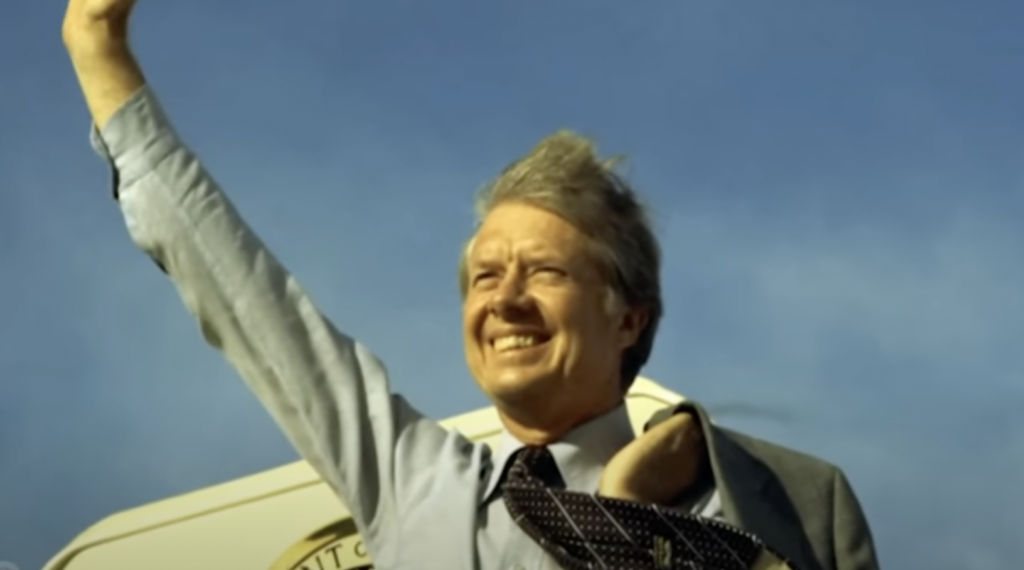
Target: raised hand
96,36
659,465
94,19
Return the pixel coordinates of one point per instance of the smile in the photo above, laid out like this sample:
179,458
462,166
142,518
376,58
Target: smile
516,342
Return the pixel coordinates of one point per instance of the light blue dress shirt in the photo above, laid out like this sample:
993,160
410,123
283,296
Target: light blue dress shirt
423,497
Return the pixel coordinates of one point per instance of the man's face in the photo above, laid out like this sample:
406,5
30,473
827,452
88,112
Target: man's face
538,330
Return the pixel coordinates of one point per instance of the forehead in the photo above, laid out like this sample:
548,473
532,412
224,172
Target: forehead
524,228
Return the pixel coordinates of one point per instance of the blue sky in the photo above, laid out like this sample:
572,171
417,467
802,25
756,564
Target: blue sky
838,189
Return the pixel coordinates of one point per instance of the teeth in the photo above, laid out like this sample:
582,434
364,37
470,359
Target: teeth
513,342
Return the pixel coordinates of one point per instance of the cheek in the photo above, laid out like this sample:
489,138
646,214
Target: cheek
473,315
590,325
470,344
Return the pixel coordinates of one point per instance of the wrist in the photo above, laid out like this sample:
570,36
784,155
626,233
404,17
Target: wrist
96,38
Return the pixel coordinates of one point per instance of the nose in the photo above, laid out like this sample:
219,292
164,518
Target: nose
509,297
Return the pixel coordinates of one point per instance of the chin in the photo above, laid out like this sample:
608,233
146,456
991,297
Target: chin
518,388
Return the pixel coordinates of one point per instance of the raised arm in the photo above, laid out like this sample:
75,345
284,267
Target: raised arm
328,393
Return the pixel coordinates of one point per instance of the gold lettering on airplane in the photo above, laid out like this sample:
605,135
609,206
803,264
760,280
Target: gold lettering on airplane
335,547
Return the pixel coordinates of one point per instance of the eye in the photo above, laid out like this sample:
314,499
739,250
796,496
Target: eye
483,277
550,271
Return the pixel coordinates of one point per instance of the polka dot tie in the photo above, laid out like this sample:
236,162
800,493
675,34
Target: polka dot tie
587,532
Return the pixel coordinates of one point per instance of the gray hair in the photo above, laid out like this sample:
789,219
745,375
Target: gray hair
564,176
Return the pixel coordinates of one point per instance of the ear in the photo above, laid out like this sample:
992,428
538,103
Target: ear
634,321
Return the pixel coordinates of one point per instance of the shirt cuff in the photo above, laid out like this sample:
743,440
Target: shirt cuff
135,139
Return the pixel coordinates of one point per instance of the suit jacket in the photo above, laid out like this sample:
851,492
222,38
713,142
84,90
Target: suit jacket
802,506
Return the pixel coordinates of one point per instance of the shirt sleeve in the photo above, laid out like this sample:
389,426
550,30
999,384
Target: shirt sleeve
327,392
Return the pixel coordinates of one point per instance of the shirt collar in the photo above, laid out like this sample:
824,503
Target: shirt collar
581,455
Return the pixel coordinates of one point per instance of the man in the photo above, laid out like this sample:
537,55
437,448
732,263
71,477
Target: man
561,303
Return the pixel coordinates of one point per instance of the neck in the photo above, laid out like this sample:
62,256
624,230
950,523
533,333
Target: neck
537,427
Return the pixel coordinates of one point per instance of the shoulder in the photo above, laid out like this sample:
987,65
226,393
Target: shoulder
817,492
790,466
804,475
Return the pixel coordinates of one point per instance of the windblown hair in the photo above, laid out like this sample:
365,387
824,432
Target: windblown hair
564,176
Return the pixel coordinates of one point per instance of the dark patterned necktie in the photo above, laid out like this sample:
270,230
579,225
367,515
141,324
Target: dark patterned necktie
586,532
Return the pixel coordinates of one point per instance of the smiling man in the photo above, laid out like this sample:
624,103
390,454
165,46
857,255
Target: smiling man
554,336
562,299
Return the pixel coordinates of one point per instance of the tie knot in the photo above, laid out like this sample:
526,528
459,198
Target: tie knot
535,464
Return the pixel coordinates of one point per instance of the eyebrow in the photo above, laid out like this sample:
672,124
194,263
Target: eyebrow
533,255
